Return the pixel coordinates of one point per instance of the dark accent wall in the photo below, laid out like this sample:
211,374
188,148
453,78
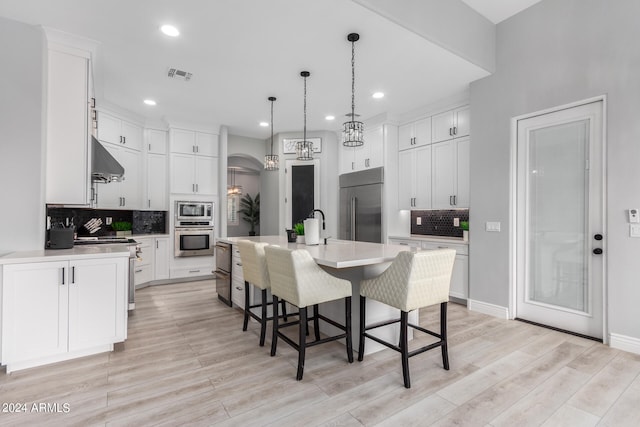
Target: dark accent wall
438,222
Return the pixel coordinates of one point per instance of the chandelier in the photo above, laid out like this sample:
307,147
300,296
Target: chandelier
352,130
304,148
233,189
271,160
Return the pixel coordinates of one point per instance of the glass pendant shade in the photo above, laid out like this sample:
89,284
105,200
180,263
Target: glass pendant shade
271,161
352,131
233,189
304,148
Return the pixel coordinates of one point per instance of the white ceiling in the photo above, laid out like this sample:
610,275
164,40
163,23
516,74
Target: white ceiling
242,52
498,10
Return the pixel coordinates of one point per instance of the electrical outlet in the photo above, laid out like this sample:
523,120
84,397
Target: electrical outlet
634,230
419,220
108,220
492,226
456,222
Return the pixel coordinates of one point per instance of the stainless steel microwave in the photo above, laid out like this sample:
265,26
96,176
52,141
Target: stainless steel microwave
194,214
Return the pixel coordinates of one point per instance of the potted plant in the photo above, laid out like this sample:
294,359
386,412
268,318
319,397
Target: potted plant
464,225
299,229
122,228
250,209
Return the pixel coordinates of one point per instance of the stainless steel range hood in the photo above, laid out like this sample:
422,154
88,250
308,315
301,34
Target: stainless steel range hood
104,167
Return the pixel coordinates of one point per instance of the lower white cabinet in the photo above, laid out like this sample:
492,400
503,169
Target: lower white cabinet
58,310
237,279
459,287
153,262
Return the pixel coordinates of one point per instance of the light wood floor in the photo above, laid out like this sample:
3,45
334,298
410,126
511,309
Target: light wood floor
187,361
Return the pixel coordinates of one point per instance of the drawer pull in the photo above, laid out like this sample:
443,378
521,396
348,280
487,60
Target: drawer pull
239,288
194,271
139,271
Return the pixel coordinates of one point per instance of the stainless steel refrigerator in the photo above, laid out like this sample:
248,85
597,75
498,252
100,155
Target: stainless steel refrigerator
361,205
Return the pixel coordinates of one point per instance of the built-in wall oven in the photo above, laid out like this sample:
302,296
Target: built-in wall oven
193,229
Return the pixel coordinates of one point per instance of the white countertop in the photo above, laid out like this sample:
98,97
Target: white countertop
336,253
77,252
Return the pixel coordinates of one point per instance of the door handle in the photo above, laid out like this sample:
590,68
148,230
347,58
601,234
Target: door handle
597,251
598,237
63,275
353,218
73,274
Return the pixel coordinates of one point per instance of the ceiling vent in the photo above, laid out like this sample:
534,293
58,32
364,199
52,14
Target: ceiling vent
174,73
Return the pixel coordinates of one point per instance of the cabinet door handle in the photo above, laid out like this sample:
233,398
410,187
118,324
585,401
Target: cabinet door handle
149,203
149,147
197,188
455,200
124,138
353,165
238,288
193,148
73,274
124,201
455,130
63,275
450,131
157,247
120,139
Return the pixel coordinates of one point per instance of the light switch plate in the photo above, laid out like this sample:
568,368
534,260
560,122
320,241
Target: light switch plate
456,222
418,220
634,230
492,226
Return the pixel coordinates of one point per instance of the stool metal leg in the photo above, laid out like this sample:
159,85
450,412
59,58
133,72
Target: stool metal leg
347,324
274,336
263,319
316,322
404,348
362,326
443,334
302,343
246,306
284,310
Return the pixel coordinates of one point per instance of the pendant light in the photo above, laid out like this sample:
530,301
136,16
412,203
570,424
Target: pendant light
304,148
271,160
233,189
352,130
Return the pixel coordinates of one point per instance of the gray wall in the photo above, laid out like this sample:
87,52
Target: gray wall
21,144
554,53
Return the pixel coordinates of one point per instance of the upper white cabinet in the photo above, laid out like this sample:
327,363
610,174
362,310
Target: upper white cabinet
368,155
68,160
414,134
127,193
114,130
450,124
194,162
156,182
450,169
414,179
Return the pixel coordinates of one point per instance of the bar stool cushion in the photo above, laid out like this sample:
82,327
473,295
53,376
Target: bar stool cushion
413,280
297,278
254,263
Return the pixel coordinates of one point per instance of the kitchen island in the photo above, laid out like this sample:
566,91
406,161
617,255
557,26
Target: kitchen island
62,304
353,261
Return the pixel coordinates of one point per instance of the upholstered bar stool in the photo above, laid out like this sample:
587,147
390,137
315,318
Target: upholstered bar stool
297,279
254,271
412,281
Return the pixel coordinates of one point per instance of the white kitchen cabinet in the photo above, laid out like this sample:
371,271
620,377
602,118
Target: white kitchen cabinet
35,308
115,130
193,174
192,142
97,302
68,160
450,124
414,134
156,182
450,170
237,279
126,193
156,141
58,310
369,155
143,265
161,258
414,178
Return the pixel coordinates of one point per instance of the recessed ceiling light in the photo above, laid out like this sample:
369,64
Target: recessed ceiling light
170,30
264,124
330,118
150,102
378,95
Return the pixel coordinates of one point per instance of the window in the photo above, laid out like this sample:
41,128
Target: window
233,202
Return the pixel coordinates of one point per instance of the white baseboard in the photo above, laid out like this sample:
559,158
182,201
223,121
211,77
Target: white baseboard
490,309
625,343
